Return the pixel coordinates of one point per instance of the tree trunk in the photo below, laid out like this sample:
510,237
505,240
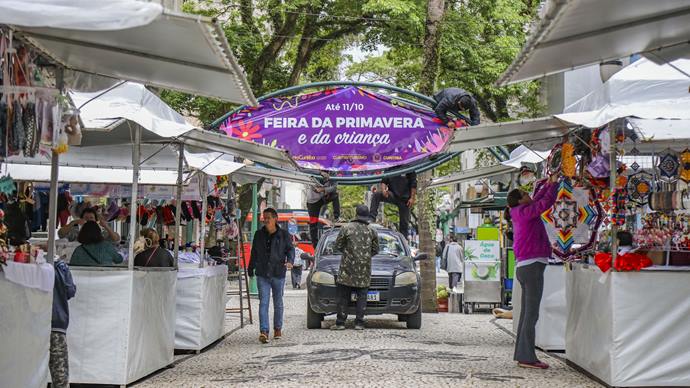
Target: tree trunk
432,34
304,49
270,52
425,206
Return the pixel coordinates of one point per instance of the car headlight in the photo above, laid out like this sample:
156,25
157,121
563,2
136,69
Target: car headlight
406,279
323,278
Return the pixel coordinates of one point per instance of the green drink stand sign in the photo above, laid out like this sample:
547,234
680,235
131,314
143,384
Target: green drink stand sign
482,275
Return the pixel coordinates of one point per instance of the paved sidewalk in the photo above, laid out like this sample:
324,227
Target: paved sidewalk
450,350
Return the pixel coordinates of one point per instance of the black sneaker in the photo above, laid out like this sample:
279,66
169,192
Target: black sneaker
359,326
338,327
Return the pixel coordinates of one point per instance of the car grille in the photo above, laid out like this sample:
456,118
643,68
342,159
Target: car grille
379,284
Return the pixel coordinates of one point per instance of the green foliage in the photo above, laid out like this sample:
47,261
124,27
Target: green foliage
350,197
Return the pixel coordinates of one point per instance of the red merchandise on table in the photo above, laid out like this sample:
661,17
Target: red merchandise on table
624,263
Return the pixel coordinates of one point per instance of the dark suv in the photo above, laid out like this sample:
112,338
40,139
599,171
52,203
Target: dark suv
394,288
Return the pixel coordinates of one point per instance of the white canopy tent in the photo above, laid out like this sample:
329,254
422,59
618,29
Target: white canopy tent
572,34
140,42
643,89
33,173
472,174
523,154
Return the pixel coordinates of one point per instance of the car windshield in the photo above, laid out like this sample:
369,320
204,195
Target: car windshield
389,244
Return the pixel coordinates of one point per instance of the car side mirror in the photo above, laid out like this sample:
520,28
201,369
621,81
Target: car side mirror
306,256
421,256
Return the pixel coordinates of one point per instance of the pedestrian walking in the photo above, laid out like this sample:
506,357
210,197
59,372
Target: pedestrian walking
358,242
271,255
453,262
298,266
532,253
63,290
400,191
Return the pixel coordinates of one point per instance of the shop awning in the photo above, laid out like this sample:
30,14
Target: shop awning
511,132
572,34
212,163
472,174
41,173
258,153
182,52
254,172
495,201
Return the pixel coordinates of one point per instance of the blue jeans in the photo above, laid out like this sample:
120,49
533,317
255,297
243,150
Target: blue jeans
267,286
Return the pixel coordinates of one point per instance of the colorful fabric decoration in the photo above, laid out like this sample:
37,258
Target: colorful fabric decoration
669,166
624,263
639,187
618,206
568,161
573,219
685,166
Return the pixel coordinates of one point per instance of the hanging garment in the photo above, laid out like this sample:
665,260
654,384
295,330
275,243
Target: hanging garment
18,132
3,129
29,120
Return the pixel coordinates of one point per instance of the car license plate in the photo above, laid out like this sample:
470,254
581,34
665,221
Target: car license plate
372,296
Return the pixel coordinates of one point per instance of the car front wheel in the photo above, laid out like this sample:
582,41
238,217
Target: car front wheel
313,319
414,320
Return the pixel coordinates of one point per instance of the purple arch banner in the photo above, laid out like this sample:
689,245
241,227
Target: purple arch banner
344,129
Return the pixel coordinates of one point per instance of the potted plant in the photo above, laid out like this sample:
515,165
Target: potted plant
442,293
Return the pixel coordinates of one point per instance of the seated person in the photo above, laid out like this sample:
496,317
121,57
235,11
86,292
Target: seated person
94,250
71,230
153,255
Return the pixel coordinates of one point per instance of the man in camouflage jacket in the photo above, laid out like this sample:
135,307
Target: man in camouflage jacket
358,243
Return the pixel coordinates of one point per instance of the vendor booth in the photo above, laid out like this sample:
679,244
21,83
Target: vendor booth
138,337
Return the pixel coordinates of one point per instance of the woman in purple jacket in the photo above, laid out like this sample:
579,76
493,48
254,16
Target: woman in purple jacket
532,252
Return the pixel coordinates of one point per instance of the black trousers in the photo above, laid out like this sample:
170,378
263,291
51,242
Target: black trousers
401,203
531,278
344,295
314,210
454,278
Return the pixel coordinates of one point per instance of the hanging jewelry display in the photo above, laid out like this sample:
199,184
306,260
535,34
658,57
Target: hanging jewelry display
668,166
684,173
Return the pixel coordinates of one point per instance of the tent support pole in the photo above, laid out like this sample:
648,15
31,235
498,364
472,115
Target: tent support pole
54,172
178,203
52,205
136,161
204,206
613,164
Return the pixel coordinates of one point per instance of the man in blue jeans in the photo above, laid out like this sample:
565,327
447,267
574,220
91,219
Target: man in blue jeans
272,254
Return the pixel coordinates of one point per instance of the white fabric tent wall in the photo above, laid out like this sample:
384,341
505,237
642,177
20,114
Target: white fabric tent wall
643,89
24,172
93,15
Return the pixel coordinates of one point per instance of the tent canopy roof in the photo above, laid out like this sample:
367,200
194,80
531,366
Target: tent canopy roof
572,34
643,89
182,52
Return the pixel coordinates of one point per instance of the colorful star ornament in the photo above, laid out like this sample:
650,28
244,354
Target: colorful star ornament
639,187
669,165
573,219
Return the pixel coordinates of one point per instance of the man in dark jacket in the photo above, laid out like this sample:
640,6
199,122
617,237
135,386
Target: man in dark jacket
454,100
63,290
272,253
358,242
400,191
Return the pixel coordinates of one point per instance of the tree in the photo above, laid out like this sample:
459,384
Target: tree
425,202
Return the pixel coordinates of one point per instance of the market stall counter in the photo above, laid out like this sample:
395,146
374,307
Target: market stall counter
27,297
122,323
550,332
200,312
630,328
